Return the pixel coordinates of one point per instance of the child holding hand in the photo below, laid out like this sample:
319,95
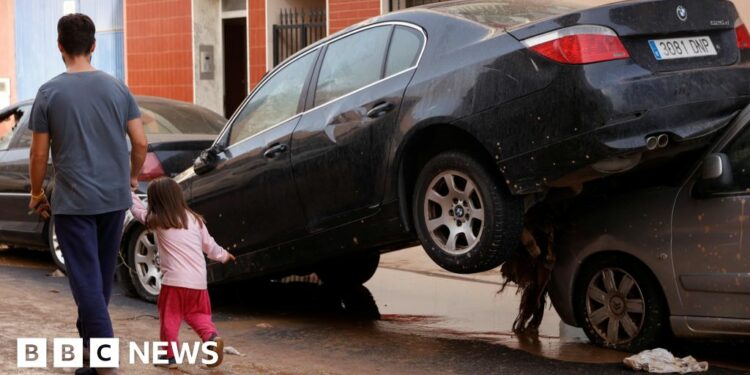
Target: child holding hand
182,239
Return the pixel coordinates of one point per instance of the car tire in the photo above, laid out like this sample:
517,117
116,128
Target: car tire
349,270
472,225
620,305
54,247
143,264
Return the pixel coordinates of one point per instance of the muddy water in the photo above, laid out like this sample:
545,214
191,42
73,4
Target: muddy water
407,302
470,309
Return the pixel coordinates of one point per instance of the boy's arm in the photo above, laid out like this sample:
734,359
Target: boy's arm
138,209
212,249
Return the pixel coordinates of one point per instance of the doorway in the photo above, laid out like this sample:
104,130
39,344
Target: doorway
234,34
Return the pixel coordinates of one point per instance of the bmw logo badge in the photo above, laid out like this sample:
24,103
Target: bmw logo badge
682,13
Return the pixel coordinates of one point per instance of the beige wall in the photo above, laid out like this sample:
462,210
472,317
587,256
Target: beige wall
207,31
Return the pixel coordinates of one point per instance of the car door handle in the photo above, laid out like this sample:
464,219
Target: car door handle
275,150
380,110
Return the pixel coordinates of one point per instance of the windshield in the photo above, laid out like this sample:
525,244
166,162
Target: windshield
178,118
503,14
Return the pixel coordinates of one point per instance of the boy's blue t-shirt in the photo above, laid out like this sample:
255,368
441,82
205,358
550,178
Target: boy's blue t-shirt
86,115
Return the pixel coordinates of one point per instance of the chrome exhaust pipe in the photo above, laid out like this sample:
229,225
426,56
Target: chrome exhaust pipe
662,140
652,143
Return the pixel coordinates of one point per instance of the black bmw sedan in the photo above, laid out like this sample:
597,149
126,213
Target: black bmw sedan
439,124
176,131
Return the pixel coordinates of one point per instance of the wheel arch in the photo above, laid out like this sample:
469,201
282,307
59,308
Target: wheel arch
423,143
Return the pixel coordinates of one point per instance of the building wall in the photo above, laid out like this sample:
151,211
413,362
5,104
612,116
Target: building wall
344,13
256,40
209,92
159,45
7,46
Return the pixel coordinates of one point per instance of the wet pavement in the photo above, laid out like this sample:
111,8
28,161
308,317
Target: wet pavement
410,318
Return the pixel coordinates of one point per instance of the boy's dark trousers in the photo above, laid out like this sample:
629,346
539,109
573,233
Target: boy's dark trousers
90,245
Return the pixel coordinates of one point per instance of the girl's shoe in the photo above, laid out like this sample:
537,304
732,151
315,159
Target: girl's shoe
218,349
171,363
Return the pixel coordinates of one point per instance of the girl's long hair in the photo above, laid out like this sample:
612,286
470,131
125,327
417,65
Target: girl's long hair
167,208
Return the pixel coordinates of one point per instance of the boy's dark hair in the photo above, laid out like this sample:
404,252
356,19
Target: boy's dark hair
75,32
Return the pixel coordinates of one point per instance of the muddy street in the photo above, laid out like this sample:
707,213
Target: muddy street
410,318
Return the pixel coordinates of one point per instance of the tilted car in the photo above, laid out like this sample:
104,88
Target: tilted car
672,258
435,124
177,132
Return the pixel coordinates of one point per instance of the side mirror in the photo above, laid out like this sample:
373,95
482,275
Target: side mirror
716,175
207,160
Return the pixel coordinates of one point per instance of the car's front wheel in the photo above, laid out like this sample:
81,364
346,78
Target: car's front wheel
619,304
467,221
54,247
143,263
349,270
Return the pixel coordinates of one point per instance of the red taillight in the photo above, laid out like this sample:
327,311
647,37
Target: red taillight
151,168
584,44
743,37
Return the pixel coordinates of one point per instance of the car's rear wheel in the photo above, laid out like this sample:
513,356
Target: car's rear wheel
54,247
467,221
619,304
143,262
349,270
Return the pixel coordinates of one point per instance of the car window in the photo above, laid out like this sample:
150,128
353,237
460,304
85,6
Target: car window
351,63
171,117
406,44
11,123
738,153
277,100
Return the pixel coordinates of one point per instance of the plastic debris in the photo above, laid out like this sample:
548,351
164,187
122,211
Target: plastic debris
662,361
56,273
232,351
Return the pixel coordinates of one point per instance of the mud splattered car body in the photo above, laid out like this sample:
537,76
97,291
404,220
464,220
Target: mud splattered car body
672,257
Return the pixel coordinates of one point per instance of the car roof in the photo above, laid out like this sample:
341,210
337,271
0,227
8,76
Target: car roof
138,98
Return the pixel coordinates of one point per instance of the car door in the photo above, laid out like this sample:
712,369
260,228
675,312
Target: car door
710,249
16,225
249,199
340,153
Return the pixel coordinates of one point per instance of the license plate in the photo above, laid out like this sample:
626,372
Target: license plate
681,48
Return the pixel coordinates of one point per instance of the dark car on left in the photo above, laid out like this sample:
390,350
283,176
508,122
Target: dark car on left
176,131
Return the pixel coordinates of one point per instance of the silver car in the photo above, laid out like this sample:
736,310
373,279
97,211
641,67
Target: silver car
634,267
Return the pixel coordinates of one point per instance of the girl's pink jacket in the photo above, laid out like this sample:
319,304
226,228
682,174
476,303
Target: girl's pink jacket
181,250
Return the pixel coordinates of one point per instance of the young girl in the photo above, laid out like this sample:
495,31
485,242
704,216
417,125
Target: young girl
182,238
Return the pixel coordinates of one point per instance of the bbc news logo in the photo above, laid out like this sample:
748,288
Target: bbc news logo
105,352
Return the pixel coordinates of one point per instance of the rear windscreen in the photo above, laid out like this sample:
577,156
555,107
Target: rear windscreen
504,14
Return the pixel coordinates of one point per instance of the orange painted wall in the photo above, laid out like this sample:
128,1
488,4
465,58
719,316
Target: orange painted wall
7,45
344,13
256,40
158,41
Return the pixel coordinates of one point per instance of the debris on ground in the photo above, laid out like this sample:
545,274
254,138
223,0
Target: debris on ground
56,273
662,361
232,351
263,325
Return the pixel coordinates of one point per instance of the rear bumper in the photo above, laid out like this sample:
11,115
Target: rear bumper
595,112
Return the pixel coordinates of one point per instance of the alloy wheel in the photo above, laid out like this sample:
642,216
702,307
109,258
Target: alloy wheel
454,212
146,262
615,306
56,248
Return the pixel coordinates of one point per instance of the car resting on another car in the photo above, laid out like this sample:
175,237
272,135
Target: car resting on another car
439,125
637,265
